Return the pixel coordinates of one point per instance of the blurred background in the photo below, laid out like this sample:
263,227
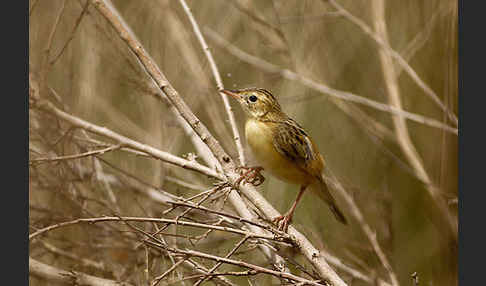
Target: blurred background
90,73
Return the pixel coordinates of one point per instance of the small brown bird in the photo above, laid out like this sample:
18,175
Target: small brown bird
283,148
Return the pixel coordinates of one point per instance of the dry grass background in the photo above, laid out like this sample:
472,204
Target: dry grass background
99,80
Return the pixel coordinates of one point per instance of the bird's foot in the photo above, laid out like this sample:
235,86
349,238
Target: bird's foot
283,222
250,175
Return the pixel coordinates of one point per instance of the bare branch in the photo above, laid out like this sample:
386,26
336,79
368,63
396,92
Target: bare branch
237,246
406,67
351,271
201,269
167,272
421,38
401,129
53,274
76,156
191,165
157,220
201,148
219,82
87,262
34,4
45,67
256,268
73,33
370,234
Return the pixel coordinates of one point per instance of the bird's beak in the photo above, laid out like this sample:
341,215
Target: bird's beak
232,93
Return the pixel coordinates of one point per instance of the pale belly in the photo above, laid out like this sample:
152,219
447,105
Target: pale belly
259,137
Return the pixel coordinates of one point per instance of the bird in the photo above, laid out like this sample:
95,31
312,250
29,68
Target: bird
283,148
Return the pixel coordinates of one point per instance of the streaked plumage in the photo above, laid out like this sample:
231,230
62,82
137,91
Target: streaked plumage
282,146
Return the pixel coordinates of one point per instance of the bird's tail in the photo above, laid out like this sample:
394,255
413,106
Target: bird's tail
323,192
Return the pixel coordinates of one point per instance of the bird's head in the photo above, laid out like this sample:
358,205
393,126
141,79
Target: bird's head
258,103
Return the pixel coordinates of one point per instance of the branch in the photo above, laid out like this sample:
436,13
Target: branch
157,220
217,78
256,268
331,180
167,272
421,38
201,148
201,269
402,134
353,272
406,67
219,263
45,66
53,274
73,32
127,142
76,156
85,261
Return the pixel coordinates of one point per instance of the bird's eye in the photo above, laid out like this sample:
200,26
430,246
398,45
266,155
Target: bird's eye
252,98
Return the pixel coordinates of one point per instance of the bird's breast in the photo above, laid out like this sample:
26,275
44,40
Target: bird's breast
259,136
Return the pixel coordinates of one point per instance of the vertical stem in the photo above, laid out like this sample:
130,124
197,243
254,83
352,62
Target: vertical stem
401,129
219,82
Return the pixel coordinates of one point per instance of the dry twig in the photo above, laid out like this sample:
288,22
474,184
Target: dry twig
395,55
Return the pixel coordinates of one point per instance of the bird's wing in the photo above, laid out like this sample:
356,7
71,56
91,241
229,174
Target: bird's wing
292,142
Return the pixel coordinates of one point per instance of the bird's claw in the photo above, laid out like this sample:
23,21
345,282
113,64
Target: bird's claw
282,222
250,175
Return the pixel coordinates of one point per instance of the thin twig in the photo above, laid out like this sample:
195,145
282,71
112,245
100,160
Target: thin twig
351,271
53,274
156,194
219,263
219,82
73,32
167,272
86,262
34,4
271,35
201,269
76,156
185,184
151,220
358,215
401,129
406,67
421,38
45,67
228,273
164,156
256,268
231,216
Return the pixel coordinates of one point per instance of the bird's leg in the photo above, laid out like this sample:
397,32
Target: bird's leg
250,175
287,218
